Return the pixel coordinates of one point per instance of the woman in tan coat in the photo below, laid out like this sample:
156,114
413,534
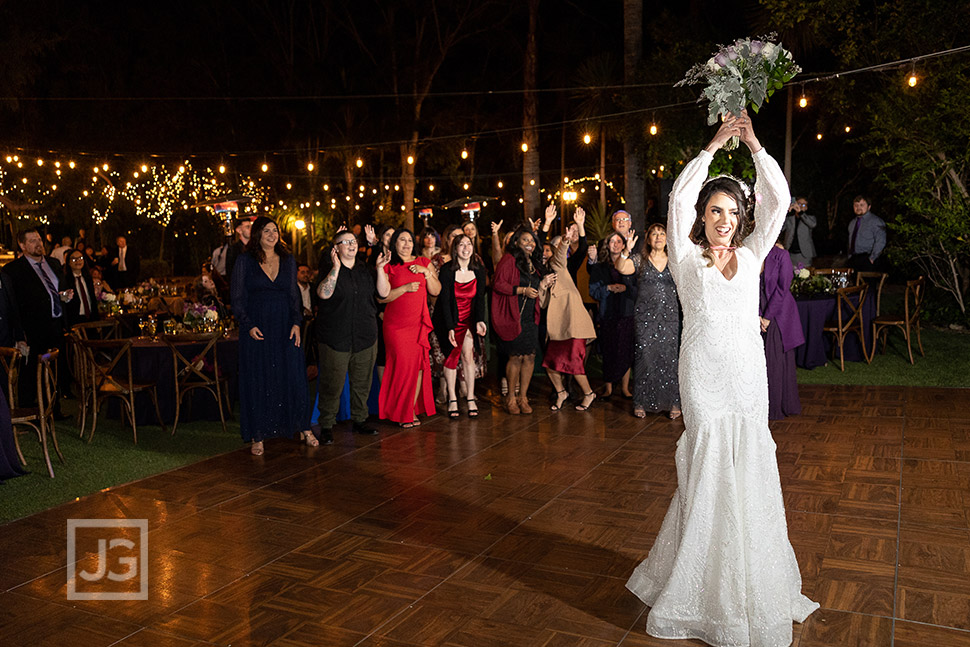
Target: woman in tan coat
568,323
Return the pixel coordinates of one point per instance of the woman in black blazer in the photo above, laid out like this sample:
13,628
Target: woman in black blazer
459,322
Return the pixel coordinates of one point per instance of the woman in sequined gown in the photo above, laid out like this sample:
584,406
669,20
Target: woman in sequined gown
722,569
272,371
657,319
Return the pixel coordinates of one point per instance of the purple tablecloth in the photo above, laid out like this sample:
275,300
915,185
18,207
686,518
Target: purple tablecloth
152,361
814,313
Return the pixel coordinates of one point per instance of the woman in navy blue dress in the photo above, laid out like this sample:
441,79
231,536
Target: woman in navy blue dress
272,371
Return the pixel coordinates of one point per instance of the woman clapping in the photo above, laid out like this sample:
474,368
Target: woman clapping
406,388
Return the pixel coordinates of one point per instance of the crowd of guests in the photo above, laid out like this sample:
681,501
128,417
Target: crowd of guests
417,311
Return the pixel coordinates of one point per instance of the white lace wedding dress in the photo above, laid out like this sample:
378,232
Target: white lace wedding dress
722,569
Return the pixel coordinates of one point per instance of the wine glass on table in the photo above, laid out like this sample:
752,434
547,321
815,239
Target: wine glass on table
141,325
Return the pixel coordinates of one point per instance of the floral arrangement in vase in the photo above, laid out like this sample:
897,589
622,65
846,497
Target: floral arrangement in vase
108,304
200,317
806,284
745,73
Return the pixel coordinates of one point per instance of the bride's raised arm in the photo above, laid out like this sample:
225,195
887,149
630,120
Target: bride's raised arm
772,198
683,197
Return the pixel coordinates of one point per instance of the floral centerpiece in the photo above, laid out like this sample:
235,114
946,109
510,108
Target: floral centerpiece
742,74
806,284
200,317
108,304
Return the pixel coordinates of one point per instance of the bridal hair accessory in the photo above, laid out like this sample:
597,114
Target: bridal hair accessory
744,185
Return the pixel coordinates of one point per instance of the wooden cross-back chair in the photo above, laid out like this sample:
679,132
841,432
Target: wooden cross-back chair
105,329
110,369
877,279
907,322
40,418
198,371
848,319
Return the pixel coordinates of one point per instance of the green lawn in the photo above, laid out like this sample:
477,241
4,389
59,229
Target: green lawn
110,459
947,363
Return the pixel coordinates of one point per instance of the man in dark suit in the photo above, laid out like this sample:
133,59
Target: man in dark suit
40,302
124,265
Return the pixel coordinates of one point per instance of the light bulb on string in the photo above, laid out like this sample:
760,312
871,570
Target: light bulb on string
500,184
913,79
803,100
525,147
309,167
360,162
464,154
653,129
587,138
410,159
264,167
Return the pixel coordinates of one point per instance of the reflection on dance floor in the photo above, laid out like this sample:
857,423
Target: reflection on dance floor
510,530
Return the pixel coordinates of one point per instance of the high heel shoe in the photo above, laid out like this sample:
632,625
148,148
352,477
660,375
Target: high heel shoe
310,439
504,386
257,448
472,413
453,414
588,399
560,401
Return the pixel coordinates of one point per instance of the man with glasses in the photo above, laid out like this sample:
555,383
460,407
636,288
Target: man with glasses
346,328
623,225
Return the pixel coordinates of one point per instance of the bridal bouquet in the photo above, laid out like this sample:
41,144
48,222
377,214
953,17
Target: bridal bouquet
743,74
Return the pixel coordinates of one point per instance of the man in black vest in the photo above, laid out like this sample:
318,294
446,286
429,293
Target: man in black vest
347,331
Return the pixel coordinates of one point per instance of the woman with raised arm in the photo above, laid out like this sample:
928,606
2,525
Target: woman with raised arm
519,283
722,569
567,321
657,317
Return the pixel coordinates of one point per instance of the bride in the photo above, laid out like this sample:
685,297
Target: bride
722,569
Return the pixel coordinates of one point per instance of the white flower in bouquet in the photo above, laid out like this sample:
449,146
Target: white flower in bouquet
212,315
109,297
804,273
743,74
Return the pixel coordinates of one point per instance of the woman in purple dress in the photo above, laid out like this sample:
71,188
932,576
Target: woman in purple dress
782,333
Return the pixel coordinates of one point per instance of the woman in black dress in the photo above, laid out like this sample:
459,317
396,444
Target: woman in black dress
515,313
613,283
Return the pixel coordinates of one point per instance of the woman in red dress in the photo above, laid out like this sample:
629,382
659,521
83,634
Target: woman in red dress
459,320
406,389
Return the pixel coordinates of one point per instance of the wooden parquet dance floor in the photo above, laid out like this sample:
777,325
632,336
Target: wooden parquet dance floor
509,530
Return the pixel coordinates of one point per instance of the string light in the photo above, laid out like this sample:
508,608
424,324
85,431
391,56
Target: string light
464,154
587,138
410,160
913,79
309,167
360,162
818,136
525,147
653,129
848,128
500,184
264,167
222,168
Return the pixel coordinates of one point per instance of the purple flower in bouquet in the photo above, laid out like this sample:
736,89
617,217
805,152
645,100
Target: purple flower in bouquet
756,46
732,53
720,59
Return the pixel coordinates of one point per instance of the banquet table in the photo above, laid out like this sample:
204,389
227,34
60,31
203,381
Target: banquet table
152,361
814,313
